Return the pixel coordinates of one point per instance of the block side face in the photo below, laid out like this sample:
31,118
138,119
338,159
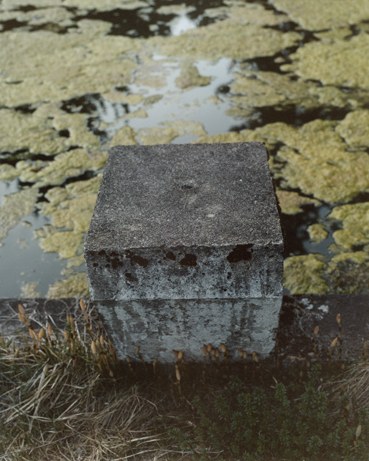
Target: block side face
185,273
185,195
160,326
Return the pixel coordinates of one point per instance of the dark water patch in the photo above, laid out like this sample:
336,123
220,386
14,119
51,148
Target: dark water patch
132,23
363,197
85,104
292,115
136,23
88,174
26,108
12,24
296,237
20,154
288,26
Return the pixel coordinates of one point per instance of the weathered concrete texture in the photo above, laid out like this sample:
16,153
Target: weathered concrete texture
161,326
299,315
185,222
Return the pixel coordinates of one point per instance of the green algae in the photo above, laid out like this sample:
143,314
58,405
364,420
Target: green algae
355,128
44,130
205,43
343,62
96,63
348,273
124,137
262,88
324,14
67,164
71,208
8,172
119,96
317,233
75,213
175,9
75,286
81,4
14,207
168,131
42,16
355,224
303,275
313,159
190,77
28,290
66,243
291,202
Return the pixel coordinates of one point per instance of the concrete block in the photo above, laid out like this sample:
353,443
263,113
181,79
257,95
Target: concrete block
161,326
196,221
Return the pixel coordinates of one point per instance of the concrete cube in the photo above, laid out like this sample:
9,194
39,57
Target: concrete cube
194,221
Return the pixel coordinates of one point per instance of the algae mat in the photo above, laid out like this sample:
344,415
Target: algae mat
79,76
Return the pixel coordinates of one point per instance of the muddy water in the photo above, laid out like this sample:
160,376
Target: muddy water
80,76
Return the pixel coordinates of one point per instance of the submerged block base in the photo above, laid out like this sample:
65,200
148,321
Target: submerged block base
161,326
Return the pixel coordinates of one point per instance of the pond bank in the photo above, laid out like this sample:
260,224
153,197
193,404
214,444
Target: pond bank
300,315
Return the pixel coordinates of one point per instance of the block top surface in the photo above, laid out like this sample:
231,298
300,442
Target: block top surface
185,195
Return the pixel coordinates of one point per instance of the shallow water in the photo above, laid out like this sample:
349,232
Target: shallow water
80,76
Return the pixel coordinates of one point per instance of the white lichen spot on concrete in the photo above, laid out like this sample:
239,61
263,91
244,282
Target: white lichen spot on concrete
303,274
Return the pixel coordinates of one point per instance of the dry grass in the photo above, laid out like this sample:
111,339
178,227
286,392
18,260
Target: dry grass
62,398
64,395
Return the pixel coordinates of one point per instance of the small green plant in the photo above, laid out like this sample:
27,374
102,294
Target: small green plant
258,425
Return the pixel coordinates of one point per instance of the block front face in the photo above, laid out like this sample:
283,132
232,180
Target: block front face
185,222
159,326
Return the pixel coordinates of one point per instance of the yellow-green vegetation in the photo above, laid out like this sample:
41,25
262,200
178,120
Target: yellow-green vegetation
190,77
253,40
324,14
28,290
60,16
355,224
68,164
343,62
291,202
168,132
355,128
14,207
70,287
96,63
317,232
71,207
39,132
303,274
